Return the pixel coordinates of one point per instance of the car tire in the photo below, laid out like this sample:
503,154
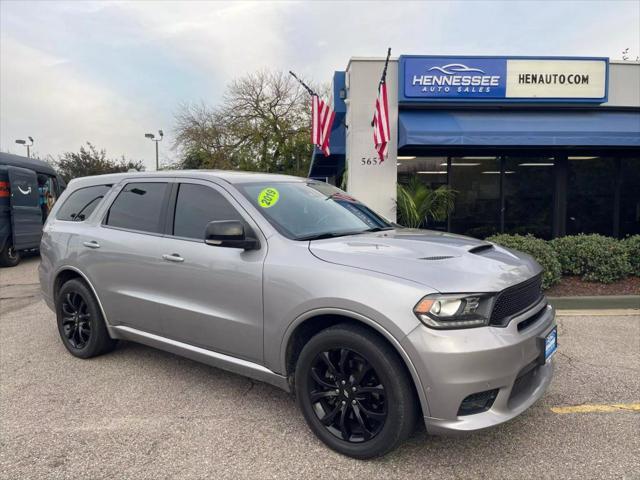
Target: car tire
9,257
354,392
80,322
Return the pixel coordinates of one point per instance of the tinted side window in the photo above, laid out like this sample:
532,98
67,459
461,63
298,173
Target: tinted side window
139,207
198,205
81,203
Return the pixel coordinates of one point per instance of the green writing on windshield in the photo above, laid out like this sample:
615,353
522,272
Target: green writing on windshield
268,197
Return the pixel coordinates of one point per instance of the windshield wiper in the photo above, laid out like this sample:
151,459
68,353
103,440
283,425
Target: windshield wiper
377,229
320,236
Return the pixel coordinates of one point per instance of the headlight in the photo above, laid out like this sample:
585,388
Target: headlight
455,310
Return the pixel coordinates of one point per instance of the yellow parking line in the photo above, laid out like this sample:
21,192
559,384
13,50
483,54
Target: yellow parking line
611,407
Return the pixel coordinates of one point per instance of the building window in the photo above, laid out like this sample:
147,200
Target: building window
602,194
590,195
477,183
630,197
430,171
528,195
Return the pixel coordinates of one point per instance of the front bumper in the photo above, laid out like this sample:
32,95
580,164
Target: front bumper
453,364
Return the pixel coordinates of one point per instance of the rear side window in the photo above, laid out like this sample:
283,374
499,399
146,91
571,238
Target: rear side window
81,203
198,205
139,206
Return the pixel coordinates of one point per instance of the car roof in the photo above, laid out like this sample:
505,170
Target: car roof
25,162
229,176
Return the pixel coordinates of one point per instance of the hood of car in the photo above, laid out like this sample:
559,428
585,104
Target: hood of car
444,262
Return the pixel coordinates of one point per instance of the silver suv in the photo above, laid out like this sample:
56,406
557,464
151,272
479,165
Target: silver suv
295,283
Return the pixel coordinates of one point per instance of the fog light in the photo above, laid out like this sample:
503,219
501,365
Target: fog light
477,402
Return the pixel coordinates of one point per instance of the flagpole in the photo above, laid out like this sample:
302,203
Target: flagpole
322,117
383,78
307,88
384,71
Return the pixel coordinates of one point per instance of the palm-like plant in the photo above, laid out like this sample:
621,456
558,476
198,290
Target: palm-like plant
417,203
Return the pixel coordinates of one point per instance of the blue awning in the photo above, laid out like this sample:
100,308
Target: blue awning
519,128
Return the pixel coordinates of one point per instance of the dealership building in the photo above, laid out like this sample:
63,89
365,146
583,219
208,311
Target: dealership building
541,145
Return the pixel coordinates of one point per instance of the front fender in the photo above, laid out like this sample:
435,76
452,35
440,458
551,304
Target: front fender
395,343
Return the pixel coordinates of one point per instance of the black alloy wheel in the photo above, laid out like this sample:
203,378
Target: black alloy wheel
80,323
347,395
355,392
76,320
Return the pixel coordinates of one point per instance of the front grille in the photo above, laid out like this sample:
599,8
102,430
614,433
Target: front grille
523,325
515,300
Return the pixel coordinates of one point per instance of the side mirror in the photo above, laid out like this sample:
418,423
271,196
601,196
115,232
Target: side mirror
230,234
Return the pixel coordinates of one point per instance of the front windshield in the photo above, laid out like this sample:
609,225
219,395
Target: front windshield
308,210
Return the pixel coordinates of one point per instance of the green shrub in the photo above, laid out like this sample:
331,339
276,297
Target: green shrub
538,249
632,245
595,257
569,254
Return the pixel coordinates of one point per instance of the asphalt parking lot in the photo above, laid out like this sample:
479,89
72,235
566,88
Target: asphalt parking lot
142,413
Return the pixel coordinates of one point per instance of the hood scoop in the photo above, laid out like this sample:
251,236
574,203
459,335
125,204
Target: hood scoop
481,248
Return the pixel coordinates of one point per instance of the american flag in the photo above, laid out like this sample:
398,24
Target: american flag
321,123
380,121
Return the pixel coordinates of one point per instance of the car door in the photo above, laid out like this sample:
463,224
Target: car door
26,215
122,255
214,298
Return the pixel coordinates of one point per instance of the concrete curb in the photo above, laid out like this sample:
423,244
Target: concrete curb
602,302
622,312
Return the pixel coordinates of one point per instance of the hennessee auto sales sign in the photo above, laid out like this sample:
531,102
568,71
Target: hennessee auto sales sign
502,79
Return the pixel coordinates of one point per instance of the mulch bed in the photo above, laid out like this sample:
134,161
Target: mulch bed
575,286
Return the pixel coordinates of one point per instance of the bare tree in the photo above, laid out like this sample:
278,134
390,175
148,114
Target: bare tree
200,133
263,124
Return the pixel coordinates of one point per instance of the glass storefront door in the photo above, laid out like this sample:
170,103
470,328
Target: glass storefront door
590,195
477,183
528,195
630,197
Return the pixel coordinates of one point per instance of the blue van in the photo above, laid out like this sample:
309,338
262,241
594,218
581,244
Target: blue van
28,190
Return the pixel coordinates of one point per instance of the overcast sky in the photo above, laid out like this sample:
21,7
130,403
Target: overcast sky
72,72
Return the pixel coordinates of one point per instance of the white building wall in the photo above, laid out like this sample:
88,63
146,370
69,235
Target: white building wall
624,84
368,180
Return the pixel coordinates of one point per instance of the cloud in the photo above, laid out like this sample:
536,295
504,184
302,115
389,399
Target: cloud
109,71
48,98
221,39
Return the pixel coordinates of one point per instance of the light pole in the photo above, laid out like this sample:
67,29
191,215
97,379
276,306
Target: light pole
152,137
28,145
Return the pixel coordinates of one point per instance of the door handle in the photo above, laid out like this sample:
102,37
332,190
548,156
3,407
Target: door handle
91,244
174,257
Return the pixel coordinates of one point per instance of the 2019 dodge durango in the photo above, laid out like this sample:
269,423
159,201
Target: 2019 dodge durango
293,282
